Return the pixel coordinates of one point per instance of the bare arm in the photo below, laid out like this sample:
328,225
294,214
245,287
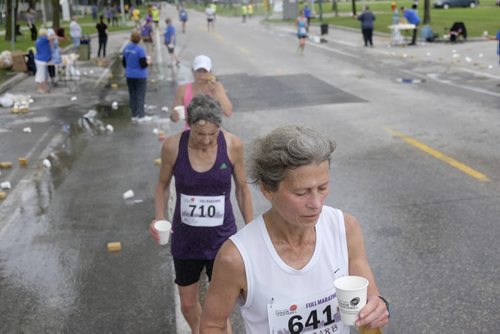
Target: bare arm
227,284
242,192
221,96
168,156
374,314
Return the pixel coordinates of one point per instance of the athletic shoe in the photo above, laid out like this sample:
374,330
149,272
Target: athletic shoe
144,119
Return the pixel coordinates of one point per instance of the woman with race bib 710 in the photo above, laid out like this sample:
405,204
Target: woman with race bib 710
204,159
282,266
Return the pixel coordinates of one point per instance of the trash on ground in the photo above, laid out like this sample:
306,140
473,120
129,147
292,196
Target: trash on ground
409,80
155,131
47,163
2,195
23,161
74,98
6,62
128,194
165,109
158,162
90,114
114,246
5,165
114,85
27,130
16,101
109,128
114,105
5,185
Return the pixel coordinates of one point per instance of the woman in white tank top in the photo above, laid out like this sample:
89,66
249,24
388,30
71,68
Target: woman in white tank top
281,267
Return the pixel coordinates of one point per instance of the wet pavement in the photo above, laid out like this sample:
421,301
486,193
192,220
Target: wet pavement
429,230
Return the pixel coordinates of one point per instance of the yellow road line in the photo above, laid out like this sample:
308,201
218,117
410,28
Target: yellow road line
218,36
243,50
438,155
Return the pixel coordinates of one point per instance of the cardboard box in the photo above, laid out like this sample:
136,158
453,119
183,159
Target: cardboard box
18,61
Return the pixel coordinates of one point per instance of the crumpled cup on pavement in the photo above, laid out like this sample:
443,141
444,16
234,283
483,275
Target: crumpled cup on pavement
128,194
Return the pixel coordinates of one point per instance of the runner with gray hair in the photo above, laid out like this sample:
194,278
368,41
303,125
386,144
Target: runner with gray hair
286,148
282,266
204,108
204,160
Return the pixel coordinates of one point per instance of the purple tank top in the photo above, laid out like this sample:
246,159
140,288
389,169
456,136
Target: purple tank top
201,242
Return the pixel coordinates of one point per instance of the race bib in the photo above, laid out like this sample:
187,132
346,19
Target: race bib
314,315
302,31
200,211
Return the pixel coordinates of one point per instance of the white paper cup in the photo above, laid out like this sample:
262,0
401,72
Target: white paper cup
181,111
163,227
351,296
128,194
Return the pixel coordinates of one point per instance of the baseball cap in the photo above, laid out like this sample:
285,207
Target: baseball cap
202,62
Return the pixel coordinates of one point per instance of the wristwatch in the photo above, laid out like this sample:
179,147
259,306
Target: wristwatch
389,308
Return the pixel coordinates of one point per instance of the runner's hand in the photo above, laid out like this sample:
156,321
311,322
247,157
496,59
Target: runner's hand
174,116
153,232
374,314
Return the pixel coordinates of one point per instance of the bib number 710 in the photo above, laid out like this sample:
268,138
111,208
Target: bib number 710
295,325
210,210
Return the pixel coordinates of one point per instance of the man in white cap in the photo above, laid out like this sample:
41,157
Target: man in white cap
205,82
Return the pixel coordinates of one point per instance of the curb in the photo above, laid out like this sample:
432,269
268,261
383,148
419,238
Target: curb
16,79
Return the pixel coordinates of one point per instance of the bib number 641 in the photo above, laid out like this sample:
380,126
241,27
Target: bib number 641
295,325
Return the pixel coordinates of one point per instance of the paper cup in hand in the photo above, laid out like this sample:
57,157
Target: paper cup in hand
163,227
181,111
351,296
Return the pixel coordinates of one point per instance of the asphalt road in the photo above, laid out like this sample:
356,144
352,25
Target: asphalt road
416,163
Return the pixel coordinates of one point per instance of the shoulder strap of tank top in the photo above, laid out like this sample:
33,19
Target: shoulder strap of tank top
182,155
222,148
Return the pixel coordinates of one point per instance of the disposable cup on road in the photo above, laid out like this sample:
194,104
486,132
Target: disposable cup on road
181,111
128,194
351,296
163,227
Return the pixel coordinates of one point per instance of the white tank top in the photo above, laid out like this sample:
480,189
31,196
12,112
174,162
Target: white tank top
281,299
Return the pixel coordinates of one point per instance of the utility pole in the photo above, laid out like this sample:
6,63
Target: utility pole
13,20
44,16
123,12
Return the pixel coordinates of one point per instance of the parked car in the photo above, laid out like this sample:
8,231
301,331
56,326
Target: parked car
456,3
